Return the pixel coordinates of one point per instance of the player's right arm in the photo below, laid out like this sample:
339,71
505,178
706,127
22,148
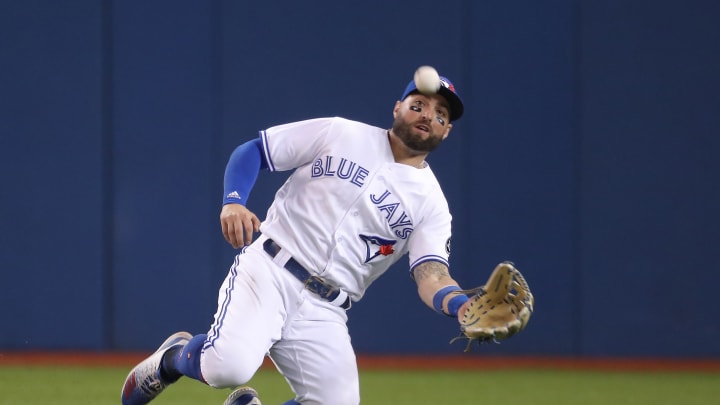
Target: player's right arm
283,147
237,221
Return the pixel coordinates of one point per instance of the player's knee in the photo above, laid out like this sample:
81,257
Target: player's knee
228,376
227,372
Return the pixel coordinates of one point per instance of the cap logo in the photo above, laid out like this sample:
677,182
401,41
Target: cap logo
447,85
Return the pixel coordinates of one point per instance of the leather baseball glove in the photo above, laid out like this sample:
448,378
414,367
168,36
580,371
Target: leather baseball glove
497,310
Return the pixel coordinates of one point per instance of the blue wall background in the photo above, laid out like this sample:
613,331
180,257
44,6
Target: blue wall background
587,155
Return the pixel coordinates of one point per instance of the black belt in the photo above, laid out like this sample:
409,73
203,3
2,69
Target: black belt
313,283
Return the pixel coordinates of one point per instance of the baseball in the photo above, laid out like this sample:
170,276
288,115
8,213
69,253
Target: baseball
427,80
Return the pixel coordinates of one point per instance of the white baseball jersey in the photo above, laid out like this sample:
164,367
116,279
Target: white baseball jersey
349,211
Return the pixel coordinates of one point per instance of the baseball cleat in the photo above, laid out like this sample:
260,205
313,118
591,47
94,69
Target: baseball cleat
143,383
243,396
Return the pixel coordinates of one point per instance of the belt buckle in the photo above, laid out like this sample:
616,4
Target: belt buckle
315,283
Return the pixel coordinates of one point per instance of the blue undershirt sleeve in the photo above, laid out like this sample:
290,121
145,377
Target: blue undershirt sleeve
242,170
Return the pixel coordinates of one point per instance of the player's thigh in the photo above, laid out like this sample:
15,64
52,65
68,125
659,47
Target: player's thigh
317,357
249,318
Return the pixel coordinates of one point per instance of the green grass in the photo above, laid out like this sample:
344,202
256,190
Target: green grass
101,385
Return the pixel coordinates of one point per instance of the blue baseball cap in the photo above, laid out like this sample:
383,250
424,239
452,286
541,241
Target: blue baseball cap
447,90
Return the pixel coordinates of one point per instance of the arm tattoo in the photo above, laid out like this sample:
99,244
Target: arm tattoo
430,269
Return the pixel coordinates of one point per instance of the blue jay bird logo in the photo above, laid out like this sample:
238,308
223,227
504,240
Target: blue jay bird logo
376,246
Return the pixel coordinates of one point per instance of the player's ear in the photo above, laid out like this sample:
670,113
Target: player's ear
397,108
447,131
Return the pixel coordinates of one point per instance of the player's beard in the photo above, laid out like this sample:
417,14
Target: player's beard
407,134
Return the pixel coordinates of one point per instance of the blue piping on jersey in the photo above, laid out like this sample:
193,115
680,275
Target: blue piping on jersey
214,333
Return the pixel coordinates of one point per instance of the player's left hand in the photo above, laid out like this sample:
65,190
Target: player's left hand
499,309
238,224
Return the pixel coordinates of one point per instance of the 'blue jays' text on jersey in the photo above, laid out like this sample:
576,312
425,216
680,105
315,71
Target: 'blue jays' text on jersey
349,210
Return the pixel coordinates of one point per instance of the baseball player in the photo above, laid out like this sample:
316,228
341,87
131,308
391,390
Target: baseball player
360,198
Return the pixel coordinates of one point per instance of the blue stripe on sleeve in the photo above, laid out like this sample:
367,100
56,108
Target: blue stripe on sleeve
266,151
